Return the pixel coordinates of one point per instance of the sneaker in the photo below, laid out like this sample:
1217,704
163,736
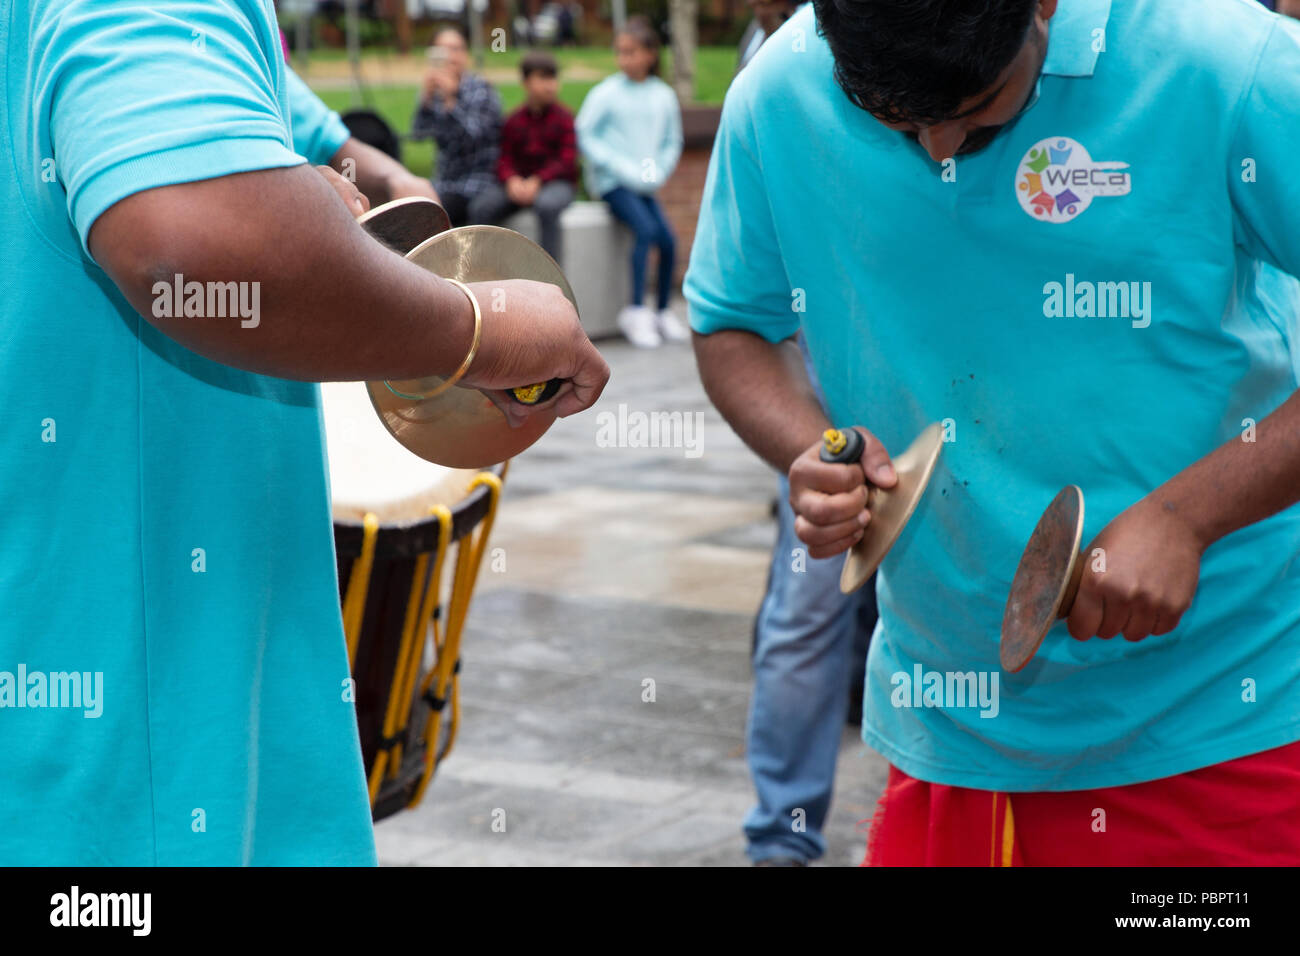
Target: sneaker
672,328
638,324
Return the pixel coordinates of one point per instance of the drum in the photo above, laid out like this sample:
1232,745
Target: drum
409,537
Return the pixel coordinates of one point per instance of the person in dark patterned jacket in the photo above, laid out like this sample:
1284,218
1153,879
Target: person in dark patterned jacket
462,113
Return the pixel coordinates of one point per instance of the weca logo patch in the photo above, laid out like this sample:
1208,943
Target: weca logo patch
1057,180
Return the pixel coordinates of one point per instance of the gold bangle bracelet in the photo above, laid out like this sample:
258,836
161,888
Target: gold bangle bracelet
464,366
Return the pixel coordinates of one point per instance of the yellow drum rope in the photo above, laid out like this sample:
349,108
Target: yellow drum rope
407,667
443,676
354,602
430,605
419,615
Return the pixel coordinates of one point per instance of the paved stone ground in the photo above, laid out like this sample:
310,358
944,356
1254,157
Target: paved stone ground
621,565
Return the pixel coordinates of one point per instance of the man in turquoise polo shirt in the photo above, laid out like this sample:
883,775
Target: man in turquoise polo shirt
172,663
1063,231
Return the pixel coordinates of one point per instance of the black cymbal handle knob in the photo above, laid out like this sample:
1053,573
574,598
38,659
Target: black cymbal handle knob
841,446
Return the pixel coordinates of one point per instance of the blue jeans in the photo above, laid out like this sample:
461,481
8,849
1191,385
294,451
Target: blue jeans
643,215
802,658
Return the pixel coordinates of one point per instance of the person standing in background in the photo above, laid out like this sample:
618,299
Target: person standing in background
630,134
538,162
462,113
810,650
768,16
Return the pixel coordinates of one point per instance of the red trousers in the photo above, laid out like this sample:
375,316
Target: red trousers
1244,812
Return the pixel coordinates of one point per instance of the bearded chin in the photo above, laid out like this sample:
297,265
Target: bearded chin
972,144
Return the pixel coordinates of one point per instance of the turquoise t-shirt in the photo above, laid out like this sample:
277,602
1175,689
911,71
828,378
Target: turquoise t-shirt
1093,299
167,534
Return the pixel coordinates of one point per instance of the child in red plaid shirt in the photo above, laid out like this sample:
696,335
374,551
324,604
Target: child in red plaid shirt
538,162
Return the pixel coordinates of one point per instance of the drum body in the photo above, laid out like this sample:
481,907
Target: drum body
409,536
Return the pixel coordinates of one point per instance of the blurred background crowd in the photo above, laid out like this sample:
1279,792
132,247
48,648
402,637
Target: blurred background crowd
510,107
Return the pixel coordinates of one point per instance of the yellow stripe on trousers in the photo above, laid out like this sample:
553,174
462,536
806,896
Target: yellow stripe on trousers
1008,833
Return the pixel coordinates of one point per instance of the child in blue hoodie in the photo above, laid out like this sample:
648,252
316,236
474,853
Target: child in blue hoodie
630,134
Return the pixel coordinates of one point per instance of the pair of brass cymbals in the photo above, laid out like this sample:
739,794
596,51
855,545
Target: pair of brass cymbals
1046,580
460,427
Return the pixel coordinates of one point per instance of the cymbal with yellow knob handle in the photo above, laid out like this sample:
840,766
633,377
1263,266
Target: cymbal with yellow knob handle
890,507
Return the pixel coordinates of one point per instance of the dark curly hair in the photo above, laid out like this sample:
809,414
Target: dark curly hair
917,60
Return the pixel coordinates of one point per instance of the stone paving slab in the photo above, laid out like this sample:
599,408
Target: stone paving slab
622,565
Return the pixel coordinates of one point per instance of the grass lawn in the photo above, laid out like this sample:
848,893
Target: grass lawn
714,67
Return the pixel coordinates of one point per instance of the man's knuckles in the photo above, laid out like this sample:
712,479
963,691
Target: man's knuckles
1117,587
824,510
821,534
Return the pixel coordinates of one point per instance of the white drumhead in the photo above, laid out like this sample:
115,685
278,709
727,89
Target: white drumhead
371,471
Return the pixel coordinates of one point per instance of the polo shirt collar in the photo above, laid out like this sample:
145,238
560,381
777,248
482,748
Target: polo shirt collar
1071,37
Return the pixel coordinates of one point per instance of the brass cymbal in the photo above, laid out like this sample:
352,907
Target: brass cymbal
405,223
890,509
1046,580
461,427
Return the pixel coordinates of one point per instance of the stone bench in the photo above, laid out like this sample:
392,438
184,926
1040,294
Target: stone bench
596,251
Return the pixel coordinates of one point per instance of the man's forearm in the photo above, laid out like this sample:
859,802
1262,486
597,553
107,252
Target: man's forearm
763,392
1241,481
377,175
333,304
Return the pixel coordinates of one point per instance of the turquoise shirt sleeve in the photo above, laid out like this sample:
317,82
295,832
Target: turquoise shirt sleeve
1262,178
318,133
142,96
737,278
